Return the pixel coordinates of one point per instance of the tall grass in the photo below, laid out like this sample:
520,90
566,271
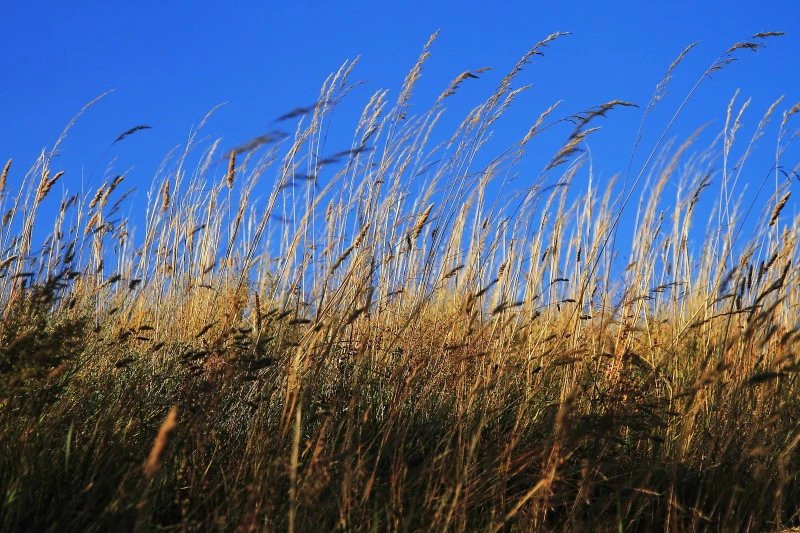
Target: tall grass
394,337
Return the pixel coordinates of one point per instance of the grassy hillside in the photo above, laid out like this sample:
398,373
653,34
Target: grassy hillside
396,336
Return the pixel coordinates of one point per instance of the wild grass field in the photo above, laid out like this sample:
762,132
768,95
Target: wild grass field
414,342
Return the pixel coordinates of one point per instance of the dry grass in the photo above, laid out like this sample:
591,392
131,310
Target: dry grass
393,338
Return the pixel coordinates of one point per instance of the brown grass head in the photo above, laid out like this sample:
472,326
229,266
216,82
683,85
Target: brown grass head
231,169
4,176
153,462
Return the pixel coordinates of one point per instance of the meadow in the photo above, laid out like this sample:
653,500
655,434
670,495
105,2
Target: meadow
416,342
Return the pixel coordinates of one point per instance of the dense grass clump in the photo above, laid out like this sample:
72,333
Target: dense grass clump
393,338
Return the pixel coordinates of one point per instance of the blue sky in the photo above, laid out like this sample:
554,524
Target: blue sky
170,62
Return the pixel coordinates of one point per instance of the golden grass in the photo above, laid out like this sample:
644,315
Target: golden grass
394,338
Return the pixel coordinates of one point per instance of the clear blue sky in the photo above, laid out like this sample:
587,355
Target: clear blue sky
170,62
